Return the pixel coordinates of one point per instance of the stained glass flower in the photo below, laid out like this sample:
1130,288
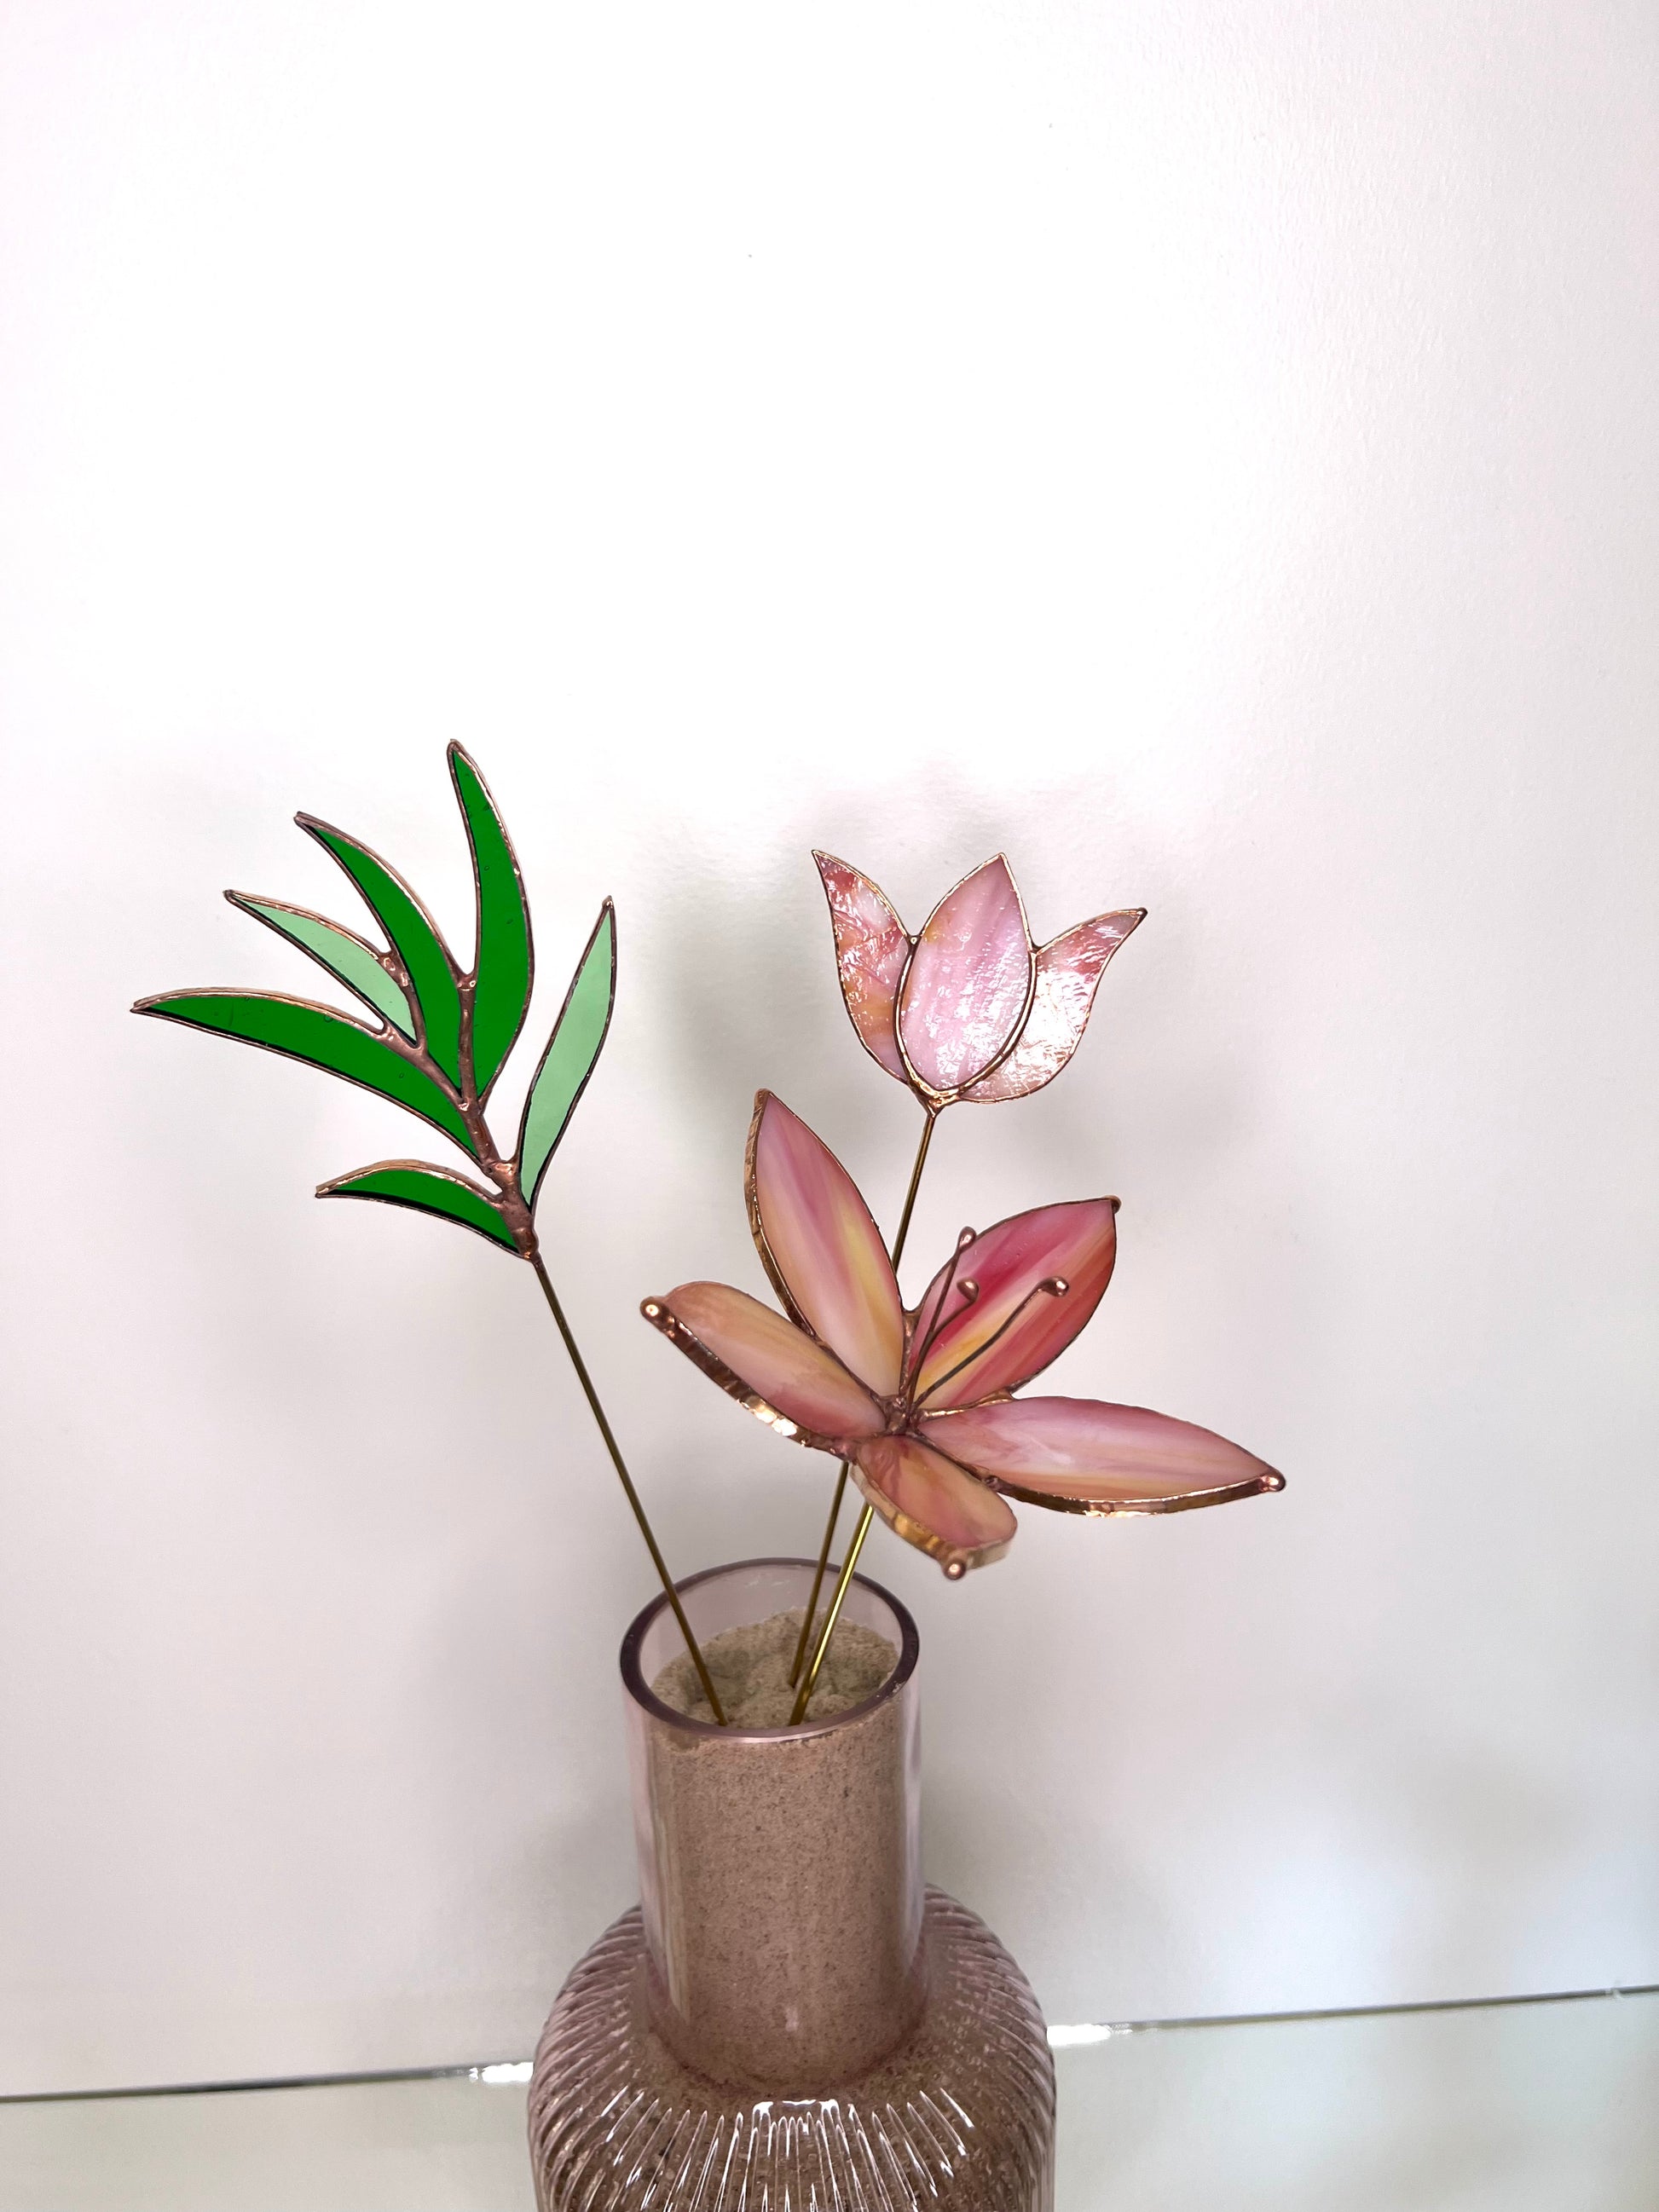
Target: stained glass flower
921,1404
969,1008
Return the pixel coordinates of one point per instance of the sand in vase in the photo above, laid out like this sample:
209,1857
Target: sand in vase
780,1867
751,1668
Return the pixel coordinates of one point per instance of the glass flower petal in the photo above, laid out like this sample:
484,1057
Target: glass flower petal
426,1190
341,952
503,959
1083,1456
1068,971
969,984
570,1055
922,1496
820,1247
872,946
770,1366
1004,1319
322,1037
413,935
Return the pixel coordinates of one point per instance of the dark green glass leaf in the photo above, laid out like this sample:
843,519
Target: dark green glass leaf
502,961
413,936
356,964
428,1190
319,1037
571,1051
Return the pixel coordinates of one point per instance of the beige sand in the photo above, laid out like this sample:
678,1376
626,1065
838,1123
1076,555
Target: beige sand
780,1867
751,1667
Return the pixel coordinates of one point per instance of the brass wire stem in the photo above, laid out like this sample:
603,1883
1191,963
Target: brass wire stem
633,1495
818,1579
923,1343
932,1112
803,1696
932,1115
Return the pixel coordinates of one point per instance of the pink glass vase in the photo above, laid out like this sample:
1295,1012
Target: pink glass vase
788,2018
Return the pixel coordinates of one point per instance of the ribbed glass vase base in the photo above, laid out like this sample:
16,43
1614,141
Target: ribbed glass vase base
960,2119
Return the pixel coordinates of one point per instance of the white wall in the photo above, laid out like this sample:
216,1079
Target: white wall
1207,449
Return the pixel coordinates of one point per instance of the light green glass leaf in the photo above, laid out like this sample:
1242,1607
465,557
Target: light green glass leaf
428,1190
355,962
502,961
321,1038
413,936
572,1049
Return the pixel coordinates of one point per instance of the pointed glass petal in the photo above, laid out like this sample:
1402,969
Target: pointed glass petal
820,1247
968,988
1002,1327
578,1037
765,1362
1083,1456
427,1190
317,1034
922,1496
871,947
344,955
1068,971
502,959
413,936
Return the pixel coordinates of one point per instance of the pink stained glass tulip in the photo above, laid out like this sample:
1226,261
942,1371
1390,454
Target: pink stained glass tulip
969,1008
938,1454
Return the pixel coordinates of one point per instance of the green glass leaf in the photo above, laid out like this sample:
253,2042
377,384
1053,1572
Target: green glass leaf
572,1049
428,1190
502,963
413,936
355,962
321,1038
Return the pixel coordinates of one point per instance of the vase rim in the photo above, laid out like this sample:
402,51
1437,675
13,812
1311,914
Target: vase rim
639,1689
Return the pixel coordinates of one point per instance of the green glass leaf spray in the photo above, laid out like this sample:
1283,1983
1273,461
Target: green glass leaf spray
437,1038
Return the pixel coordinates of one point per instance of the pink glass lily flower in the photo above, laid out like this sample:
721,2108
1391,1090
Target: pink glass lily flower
969,1008
920,1404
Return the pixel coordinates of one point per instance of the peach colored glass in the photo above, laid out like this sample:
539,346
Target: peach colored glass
1004,1305
788,2018
1010,1331
823,1249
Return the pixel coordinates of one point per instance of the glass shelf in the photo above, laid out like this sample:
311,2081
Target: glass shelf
1544,2105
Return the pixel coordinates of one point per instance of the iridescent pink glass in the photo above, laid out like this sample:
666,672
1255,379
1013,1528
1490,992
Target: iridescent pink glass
969,1008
